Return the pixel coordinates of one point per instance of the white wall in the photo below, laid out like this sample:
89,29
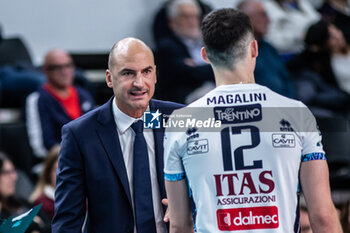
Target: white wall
80,25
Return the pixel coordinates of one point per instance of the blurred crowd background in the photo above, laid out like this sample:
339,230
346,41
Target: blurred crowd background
53,58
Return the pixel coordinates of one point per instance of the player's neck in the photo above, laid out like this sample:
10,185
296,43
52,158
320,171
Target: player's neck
238,76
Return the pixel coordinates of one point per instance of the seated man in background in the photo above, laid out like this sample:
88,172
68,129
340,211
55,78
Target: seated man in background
270,71
160,24
56,103
181,68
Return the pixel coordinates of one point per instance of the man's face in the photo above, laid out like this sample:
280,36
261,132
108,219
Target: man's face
133,79
59,70
186,24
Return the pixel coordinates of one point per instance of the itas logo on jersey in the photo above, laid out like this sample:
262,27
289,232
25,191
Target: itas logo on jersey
238,114
247,218
197,146
286,126
283,140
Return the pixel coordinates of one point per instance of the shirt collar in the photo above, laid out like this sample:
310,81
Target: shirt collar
122,120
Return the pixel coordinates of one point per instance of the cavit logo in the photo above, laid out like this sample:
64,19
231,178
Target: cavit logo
283,140
197,147
151,119
247,218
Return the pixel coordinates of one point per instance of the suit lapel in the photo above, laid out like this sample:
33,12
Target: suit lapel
108,135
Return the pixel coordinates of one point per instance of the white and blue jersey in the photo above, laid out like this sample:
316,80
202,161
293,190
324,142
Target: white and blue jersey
243,170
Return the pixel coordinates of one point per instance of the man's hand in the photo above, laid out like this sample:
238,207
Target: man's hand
166,215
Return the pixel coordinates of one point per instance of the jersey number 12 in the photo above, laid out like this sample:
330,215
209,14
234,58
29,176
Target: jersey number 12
238,153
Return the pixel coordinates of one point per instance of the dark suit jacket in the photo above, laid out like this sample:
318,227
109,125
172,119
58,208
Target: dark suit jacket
270,71
91,166
176,79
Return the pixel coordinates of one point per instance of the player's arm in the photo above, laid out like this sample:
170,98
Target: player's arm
314,178
179,206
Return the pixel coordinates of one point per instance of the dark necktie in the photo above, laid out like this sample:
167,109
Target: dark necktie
143,203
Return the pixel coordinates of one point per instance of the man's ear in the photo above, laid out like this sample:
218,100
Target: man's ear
254,49
204,55
109,78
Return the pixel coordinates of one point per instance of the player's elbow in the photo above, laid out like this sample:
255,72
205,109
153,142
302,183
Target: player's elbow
326,220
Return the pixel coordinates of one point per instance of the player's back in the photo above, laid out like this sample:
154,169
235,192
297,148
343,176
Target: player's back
244,174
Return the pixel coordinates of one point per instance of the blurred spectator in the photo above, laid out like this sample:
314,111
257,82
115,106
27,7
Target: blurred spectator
161,27
10,204
178,57
44,192
289,22
340,57
317,66
16,68
317,3
328,44
337,12
317,54
345,217
269,71
56,103
13,95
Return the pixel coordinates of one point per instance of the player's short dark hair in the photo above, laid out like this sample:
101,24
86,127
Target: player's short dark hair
226,34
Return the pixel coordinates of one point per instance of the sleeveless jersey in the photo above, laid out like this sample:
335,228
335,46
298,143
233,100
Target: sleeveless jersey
241,147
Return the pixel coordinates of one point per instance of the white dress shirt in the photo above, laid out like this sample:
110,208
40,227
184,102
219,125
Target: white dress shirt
126,138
